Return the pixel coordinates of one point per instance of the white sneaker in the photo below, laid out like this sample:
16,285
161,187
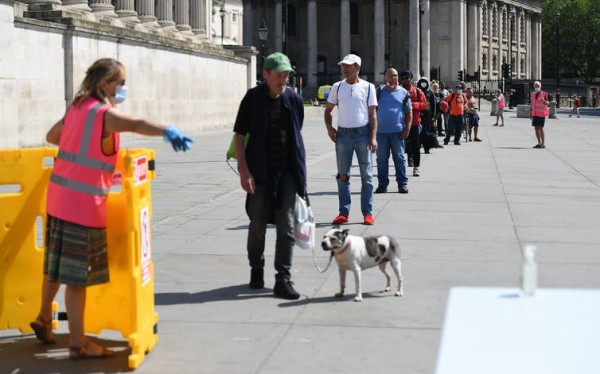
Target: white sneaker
416,172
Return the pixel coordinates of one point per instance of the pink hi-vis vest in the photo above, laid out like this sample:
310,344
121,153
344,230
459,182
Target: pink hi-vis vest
82,173
539,109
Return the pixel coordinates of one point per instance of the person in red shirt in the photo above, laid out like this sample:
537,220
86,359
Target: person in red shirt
456,100
419,103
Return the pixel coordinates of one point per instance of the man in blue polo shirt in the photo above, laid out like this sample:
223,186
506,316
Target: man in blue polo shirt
272,169
394,117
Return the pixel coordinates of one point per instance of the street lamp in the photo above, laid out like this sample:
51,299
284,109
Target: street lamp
222,12
511,21
557,19
263,33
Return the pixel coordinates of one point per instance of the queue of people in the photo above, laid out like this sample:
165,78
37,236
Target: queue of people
271,163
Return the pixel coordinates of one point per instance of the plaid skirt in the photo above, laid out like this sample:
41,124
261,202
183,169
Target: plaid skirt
75,254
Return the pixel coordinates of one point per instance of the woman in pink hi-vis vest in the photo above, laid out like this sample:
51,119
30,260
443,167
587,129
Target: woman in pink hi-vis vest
501,105
75,238
539,112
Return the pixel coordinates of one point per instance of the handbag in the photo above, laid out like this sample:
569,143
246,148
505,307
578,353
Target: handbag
304,224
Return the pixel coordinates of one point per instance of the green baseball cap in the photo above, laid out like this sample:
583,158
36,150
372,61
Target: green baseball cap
278,62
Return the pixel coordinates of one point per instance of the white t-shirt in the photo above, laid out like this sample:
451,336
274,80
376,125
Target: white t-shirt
353,101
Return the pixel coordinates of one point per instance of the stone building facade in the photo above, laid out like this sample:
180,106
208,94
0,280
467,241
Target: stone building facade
420,35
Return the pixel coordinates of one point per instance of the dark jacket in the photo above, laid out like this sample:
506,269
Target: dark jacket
252,118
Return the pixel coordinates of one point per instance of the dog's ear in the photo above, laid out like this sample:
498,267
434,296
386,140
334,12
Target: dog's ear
345,233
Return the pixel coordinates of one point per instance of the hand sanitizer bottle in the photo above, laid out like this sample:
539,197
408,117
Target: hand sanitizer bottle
529,276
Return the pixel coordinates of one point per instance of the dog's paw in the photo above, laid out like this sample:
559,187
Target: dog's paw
399,293
339,294
358,298
387,289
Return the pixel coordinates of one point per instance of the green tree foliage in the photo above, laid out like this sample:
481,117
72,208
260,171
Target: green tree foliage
578,38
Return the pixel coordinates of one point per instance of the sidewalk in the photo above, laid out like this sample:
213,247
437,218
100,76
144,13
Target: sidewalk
463,223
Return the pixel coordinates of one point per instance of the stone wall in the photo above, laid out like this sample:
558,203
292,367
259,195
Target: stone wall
195,85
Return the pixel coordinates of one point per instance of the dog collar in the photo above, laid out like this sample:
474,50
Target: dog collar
344,248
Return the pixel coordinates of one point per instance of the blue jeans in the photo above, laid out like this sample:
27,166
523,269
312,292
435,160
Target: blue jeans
350,141
263,208
386,143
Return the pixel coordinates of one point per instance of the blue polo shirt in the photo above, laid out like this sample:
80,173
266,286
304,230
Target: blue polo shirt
390,113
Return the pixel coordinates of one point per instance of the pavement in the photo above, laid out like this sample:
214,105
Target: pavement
464,223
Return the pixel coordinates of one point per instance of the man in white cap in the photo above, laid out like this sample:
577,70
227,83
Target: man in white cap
356,132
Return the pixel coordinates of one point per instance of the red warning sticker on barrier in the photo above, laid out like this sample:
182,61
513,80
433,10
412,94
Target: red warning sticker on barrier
145,244
140,170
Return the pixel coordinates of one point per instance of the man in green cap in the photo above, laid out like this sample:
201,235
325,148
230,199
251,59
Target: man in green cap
272,166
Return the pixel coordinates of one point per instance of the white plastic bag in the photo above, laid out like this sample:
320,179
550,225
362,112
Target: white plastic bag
304,224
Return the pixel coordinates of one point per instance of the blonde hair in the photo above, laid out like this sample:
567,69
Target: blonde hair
104,69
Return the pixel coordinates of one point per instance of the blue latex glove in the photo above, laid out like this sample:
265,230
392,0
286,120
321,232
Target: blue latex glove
179,141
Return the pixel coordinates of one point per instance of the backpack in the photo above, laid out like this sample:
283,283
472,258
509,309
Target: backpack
444,107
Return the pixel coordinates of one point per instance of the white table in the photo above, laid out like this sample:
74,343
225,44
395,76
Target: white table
496,330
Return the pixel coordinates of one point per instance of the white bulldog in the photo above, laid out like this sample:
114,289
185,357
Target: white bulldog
355,253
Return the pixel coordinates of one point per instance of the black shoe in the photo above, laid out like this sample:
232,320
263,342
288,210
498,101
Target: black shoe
456,143
285,290
403,189
427,151
381,189
439,146
257,279
445,142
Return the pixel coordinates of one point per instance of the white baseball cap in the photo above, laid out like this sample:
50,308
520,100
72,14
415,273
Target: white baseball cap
350,59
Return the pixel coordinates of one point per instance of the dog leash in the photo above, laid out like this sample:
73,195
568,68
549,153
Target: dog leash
317,264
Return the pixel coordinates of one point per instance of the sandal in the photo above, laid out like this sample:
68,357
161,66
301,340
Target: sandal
76,353
43,330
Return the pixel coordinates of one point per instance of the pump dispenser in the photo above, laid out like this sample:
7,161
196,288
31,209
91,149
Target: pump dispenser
529,275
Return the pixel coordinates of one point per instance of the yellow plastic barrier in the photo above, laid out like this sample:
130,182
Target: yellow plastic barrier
126,303
23,183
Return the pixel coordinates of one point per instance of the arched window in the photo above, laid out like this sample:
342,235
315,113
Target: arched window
354,19
484,60
522,29
504,20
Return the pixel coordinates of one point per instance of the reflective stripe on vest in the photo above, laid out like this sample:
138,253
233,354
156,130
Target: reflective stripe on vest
82,159
537,107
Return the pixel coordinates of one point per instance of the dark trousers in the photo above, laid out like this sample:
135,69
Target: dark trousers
413,148
455,126
261,208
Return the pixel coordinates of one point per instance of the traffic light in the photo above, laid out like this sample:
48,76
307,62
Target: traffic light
506,71
509,69
461,75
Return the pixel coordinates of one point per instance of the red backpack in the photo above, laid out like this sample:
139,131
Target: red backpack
444,106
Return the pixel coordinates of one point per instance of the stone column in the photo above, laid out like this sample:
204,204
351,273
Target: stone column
457,43
539,47
534,47
126,11
414,37
528,74
472,37
182,16
250,24
311,44
197,10
379,43
39,2
103,8
146,13
77,4
344,28
164,13
425,40
278,34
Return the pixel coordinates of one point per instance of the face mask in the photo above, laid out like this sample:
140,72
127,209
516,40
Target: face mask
458,91
120,94
536,89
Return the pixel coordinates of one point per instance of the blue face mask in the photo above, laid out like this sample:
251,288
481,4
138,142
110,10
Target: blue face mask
120,94
458,91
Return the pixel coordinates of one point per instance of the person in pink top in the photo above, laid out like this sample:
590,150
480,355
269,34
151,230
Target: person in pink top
539,112
501,106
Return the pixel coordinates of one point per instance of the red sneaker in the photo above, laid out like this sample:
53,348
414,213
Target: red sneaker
340,220
369,220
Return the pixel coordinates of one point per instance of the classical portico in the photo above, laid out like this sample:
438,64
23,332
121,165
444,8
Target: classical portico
420,35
